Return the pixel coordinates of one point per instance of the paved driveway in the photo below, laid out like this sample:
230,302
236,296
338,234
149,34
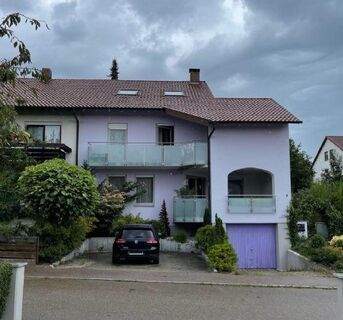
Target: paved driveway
168,262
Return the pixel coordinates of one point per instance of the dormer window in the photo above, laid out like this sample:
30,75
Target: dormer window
174,93
127,92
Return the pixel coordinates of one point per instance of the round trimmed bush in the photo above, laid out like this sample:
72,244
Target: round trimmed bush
58,192
180,236
222,257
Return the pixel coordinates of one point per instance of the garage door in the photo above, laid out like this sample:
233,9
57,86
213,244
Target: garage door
254,244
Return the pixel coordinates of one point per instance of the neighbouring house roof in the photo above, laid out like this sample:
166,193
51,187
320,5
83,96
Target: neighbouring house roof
197,103
336,140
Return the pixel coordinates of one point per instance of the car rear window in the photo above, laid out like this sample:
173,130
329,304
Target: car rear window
137,234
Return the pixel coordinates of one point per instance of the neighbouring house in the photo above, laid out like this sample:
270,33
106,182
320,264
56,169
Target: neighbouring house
331,146
231,153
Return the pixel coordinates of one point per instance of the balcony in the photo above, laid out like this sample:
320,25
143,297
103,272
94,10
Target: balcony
244,203
108,154
189,209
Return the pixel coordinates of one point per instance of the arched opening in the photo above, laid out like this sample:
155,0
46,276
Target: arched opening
251,190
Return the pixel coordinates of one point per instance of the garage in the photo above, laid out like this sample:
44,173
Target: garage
255,245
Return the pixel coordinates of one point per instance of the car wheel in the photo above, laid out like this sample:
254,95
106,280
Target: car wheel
156,261
114,260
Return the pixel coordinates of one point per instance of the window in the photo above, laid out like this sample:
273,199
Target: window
45,133
117,182
127,92
165,135
174,93
146,184
197,185
326,155
117,132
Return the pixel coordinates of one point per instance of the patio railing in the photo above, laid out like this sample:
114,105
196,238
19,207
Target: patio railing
108,154
251,203
189,209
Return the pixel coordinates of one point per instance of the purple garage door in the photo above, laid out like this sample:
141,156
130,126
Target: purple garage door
254,244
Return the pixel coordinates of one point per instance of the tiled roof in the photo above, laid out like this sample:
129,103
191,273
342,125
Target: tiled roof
198,101
337,140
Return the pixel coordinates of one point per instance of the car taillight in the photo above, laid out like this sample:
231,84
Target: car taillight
152,241
120,240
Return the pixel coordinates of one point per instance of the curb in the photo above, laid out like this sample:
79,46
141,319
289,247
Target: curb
251,285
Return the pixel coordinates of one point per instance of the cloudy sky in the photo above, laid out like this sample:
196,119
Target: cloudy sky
291,50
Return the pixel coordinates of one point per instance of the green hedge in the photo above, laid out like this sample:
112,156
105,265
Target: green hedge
5,282
222,257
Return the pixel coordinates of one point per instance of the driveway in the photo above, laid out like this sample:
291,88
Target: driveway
171,262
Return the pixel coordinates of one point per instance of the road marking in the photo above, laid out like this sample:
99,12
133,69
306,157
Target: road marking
243,284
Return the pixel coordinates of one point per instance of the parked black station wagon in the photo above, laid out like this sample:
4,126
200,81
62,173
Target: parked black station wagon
136,241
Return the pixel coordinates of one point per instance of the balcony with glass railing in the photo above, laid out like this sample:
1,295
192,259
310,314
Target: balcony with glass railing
189,209
108,154
245,203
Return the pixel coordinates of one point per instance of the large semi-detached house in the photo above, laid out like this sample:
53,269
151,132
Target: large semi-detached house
231,153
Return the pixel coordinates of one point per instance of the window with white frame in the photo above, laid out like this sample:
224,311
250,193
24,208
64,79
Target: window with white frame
117,132
44,133
146,188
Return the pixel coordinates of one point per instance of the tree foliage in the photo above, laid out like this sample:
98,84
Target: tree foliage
322,202
114,75
335,172
163,217
301,168
58,192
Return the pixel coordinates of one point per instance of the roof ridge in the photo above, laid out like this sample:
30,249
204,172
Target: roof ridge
109,80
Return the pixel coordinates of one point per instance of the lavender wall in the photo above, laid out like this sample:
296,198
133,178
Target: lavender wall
141,127
263,147
165,183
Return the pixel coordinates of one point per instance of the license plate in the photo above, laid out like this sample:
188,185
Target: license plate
135,253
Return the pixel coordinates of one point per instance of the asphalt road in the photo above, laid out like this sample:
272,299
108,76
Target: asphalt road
89,300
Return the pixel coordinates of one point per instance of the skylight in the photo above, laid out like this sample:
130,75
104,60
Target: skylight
173,93
127,92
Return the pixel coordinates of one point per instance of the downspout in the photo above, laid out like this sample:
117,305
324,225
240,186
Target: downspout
77,137
209,169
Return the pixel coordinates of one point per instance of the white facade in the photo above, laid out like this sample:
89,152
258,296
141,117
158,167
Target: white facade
66,121
264,147
322,161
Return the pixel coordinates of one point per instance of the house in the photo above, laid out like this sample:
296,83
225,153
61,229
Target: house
331,146
231,153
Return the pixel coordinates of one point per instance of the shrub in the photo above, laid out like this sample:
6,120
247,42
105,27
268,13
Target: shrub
338,266
220,234
58,192
5,282
316,241
56,241
122,220
180,236
159,227
205,237
112,203
322,202
337,241
326,255
164,218
222,257
207,217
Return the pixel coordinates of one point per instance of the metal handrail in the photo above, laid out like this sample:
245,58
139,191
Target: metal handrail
251,198
147,143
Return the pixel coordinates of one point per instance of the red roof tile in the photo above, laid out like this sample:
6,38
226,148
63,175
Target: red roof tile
198,100
337,140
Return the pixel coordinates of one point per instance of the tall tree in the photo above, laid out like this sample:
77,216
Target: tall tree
301,168
114,70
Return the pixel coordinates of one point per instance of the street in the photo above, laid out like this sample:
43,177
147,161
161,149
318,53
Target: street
91,299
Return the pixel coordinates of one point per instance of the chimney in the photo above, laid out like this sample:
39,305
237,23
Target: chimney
46,74
194,75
